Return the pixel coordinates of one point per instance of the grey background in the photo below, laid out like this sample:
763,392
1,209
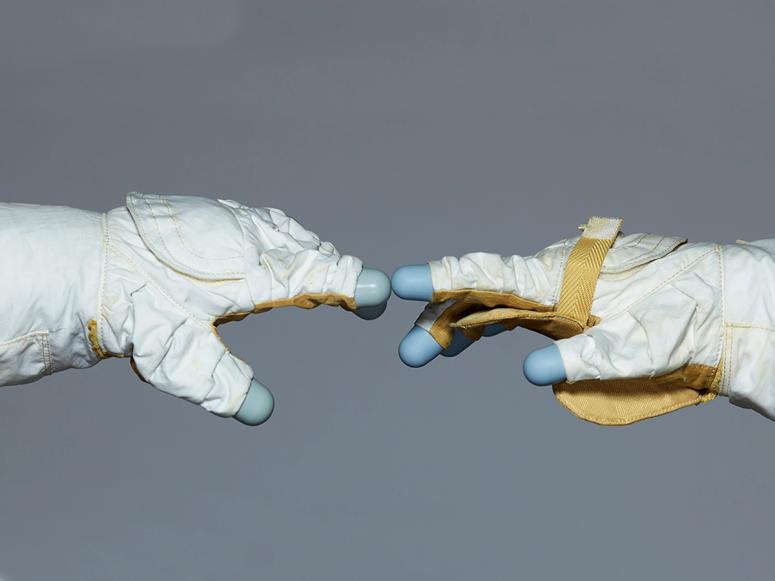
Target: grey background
401,131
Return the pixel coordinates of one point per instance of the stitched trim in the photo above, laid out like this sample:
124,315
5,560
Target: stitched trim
42,339
150,281
720,353
701,378
750,326
668,243
637,418
45,347
94,341
99,340
163,241
566,251
730,333
489,299
147,238
248,251
176,221
662,284
303,301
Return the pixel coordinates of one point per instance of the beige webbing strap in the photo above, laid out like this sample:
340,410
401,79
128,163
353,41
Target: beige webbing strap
623,401
569,316
583,268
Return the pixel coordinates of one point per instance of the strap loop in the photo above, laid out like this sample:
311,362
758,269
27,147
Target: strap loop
583,268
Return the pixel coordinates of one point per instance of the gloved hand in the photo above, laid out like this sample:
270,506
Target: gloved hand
651,325
151,282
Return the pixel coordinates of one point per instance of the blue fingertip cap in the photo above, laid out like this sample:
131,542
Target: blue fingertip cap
372,288
413,282
371,313
257,407
544,366
418,348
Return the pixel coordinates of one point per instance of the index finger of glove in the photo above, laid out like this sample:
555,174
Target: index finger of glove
292,265
486,278
494,280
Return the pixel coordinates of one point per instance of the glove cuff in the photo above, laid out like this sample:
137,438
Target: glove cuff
53,259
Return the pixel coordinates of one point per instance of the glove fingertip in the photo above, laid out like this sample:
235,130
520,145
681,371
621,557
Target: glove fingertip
544,366
413,282
257,406
372,288
371,313
418,348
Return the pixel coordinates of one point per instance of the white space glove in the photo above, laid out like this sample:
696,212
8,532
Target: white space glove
152,280
659,324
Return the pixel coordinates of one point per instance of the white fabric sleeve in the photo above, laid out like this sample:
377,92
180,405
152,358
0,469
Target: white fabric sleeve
51,263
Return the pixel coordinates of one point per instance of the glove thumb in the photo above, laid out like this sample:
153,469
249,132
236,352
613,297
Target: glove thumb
191,361
648,340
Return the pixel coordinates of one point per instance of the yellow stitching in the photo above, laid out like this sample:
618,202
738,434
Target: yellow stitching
94,341
303,301
751,326
489,299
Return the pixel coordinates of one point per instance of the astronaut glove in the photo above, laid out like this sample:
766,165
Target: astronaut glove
644,324
151,282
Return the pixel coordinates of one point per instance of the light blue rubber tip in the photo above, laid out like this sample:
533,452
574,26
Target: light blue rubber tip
257,407
544,366
371,313
413,282
372,288
418,348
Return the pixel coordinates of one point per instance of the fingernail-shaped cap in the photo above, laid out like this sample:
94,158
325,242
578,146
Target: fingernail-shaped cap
418,348
413,282
257,407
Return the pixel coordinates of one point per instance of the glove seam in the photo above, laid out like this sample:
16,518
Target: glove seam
722,333
176,221
663,283
103,273
215,383
167,346
651,255
238,217
150,281
567,249
146,240
750,326
724,387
